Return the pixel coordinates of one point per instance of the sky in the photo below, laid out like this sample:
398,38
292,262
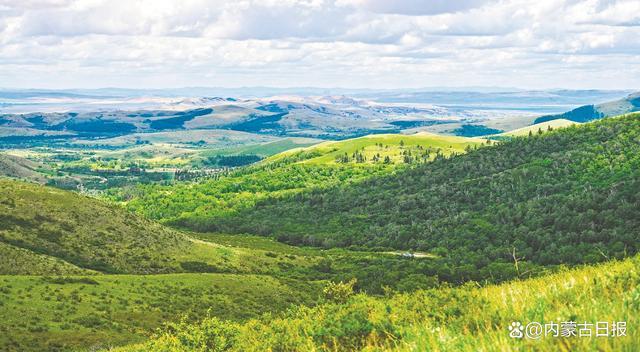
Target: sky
533,44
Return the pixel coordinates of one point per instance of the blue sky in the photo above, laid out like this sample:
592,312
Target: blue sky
321,43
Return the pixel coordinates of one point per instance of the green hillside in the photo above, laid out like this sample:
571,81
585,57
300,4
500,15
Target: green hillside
564,197
83,231
67,233
198,205
375,148
536,128
267,149
20,261
44,313
79,273
70,272
17,167
467,318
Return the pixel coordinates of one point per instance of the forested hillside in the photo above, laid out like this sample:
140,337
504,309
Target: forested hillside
565,197
198,205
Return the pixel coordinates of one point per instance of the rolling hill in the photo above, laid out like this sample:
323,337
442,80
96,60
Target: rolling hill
296,118
586,113
68,233
536,128
83,231
324,117
377,147
78,273
21,168
198,205
565,197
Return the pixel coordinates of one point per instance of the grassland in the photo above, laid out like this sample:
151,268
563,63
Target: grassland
18,167
50,313
265,149
536,128
77,273
467,318
379,147
209,138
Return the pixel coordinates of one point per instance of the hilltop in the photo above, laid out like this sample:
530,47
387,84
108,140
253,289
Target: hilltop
586,113
536,128
378,147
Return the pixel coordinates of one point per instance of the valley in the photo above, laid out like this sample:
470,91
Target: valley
315,230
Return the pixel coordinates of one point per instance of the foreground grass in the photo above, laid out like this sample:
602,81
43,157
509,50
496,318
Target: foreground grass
89,312
468,318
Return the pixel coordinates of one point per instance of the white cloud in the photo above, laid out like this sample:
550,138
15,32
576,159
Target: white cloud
364,43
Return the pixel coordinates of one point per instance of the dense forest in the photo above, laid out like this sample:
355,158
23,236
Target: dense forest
566,197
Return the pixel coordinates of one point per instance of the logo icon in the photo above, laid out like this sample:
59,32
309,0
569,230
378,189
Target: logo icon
516,330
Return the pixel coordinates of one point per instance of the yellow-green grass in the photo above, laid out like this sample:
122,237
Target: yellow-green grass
602,293
265,149
543,126
20,261
382,145
160,154
467,318
89,312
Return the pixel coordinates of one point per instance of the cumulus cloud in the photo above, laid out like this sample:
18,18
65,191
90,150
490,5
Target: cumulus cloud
404,43
416,7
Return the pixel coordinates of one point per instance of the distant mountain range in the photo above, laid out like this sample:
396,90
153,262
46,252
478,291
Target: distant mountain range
331,117
43,114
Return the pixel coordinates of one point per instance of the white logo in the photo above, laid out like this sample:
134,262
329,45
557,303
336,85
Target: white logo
515,330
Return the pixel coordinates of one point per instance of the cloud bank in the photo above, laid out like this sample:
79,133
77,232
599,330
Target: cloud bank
325,43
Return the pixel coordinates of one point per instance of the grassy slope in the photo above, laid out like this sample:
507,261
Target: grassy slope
45,231
544,126
69,234
73,312
629,104
20,261
197,205
369,146
84,231
266,149
18,167
70,231
467,318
